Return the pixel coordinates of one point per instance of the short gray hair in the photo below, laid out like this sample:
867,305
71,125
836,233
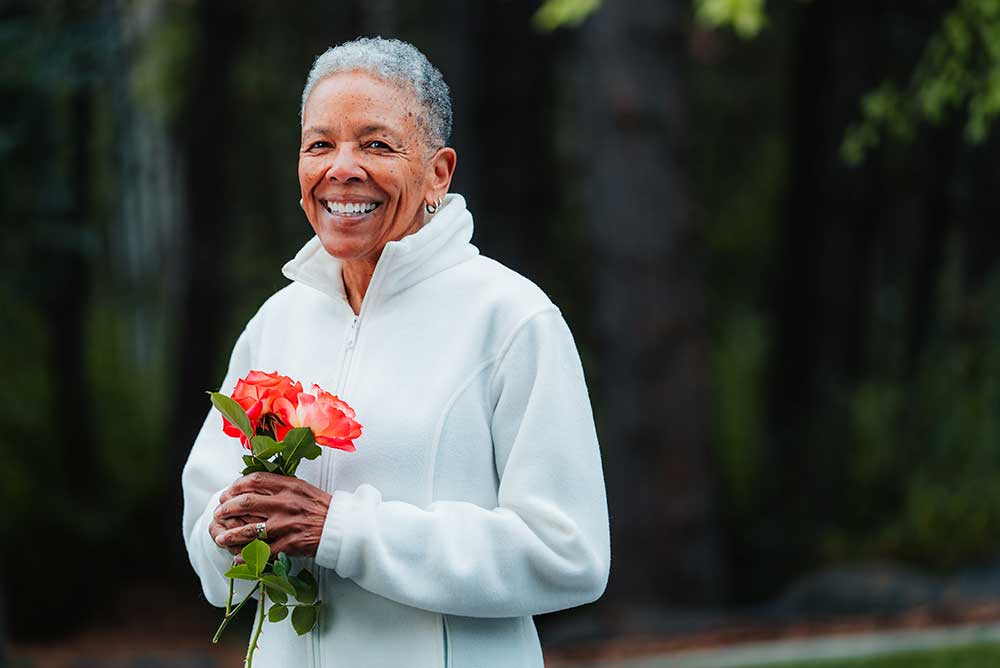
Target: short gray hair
397,62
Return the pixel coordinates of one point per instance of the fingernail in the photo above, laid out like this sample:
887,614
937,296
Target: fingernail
218,539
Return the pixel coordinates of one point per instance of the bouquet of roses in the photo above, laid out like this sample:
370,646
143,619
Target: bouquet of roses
280,425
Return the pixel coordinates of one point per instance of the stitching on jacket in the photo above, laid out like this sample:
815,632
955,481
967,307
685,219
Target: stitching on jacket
439,427
495,360
509,342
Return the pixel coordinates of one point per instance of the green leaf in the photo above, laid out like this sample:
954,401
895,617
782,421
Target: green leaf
253,469
304,618
241,572
256,554
270,467
296,440
274,582
746,17
285,562
557,13
232,411
249,460
265,447
305,586
276,595
311,452
277,612
280,568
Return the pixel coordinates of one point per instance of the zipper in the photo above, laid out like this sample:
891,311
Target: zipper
352,333
444,633
350,340
326,475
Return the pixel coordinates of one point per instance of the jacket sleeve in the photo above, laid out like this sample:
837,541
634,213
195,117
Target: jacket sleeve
214,463
544,547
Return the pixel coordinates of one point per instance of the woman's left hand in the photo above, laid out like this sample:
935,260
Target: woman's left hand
293,510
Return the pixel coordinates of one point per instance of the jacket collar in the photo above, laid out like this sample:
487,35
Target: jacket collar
441,243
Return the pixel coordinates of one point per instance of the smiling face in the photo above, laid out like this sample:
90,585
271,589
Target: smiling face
363,165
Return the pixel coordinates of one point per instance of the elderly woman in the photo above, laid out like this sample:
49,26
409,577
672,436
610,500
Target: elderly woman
475,498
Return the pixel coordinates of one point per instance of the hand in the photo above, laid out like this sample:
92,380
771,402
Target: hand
216,528
293,510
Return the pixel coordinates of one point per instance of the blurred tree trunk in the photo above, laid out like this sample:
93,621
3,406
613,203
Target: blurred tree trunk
649,314
3,620
982,210
66,309
825,242
206,135
143,241
837,251
457,52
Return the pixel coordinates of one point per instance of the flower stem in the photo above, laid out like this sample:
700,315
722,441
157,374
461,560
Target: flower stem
256,631
229,601
232,613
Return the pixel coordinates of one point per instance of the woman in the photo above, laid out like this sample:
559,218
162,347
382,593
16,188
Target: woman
475,498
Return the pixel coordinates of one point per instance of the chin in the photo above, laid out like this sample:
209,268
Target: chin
343,249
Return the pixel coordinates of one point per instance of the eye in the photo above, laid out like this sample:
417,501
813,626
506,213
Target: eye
319,144
378,144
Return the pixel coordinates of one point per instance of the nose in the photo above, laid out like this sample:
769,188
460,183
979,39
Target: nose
345,165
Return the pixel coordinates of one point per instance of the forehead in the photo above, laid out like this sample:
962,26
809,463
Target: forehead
356,99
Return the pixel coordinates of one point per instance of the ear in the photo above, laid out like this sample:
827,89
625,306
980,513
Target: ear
442,166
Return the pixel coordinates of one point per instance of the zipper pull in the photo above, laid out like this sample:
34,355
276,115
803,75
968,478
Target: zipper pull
352,332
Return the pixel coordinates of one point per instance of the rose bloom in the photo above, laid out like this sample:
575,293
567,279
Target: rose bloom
331,419
256,394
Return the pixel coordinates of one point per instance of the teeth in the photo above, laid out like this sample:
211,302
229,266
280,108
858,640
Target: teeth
350,208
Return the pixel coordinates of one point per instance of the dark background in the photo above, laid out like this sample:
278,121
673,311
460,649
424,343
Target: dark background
771,230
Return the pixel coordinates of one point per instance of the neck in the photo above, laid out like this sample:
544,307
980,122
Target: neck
357,275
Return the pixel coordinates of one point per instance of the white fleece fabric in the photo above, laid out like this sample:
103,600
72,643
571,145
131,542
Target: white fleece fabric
476,496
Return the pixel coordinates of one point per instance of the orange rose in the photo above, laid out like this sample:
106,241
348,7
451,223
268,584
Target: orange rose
331,420
256,394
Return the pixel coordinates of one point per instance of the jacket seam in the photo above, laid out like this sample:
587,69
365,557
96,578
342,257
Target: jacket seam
509,341
495,360
439,427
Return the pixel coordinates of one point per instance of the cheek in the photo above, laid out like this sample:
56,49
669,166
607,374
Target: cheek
309,172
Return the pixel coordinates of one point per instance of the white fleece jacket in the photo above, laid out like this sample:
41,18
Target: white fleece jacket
475,498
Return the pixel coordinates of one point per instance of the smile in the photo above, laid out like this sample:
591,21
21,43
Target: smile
349,208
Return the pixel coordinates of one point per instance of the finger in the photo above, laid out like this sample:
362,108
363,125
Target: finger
216,528
259,505
240,535
233,522
237,537
260,483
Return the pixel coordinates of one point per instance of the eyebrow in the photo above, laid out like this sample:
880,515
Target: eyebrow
314,130
377,128
374,128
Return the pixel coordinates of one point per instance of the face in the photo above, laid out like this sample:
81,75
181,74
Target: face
363,165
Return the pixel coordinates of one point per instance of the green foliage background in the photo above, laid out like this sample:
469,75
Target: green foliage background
844,211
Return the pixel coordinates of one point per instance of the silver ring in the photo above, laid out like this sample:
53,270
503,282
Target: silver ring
261,529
